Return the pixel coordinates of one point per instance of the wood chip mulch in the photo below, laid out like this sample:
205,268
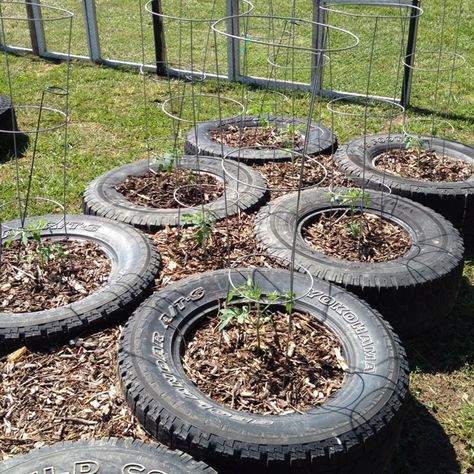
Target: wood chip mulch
41,276
286,175
84,373
425,165
379,240
157,189
65,393
257,137
230,368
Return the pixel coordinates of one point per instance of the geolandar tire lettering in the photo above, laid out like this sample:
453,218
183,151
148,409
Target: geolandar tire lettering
135,264
104,456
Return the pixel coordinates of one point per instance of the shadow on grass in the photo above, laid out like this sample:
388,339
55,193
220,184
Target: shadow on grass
450,346
444,116
424,447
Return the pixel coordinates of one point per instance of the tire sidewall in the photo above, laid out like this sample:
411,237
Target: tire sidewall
153,341
102,198
434,241
131,257
320,140
362,151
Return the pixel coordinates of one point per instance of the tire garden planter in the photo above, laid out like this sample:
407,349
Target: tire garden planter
101,198
135,264
454,200
7,118
199,140
414,292
354,431
104,456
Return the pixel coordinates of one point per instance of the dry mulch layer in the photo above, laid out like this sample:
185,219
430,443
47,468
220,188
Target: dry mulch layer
232,369
157,189
258,137
49,274
286,175
65,393
357,238
71,391
425,165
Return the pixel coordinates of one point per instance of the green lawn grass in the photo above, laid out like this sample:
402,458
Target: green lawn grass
108,128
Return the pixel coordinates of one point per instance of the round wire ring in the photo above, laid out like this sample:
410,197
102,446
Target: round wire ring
56,90
394,105
196,20
33,198
272,190
219,98
325,61
215,25
449,54
187,206
40,130
446,126
67,14
283,34
418,10
282,299
262,106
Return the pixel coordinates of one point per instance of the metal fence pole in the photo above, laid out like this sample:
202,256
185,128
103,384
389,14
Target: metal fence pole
159,37
92,32
233,52
35,25
410,57
318,39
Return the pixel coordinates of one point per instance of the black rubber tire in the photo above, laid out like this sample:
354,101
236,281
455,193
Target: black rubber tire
414,292
453,200
355,431
199,141
101,198
8,121
135,264
108,455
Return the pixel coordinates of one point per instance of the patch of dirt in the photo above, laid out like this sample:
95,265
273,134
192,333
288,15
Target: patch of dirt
228,243
66,393
361,237
157,189
47,274
425,165
258,137
286,175
232,369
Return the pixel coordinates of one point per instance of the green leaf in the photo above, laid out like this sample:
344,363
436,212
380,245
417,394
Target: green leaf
226,315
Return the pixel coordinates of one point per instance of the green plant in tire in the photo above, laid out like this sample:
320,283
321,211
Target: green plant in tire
170,158
413,143
356,200
256,311
42,252
202,223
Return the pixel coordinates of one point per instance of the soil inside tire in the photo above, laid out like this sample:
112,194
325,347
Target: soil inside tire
229,367
286,175
361,237
425,165
156,190
257,137
51,274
